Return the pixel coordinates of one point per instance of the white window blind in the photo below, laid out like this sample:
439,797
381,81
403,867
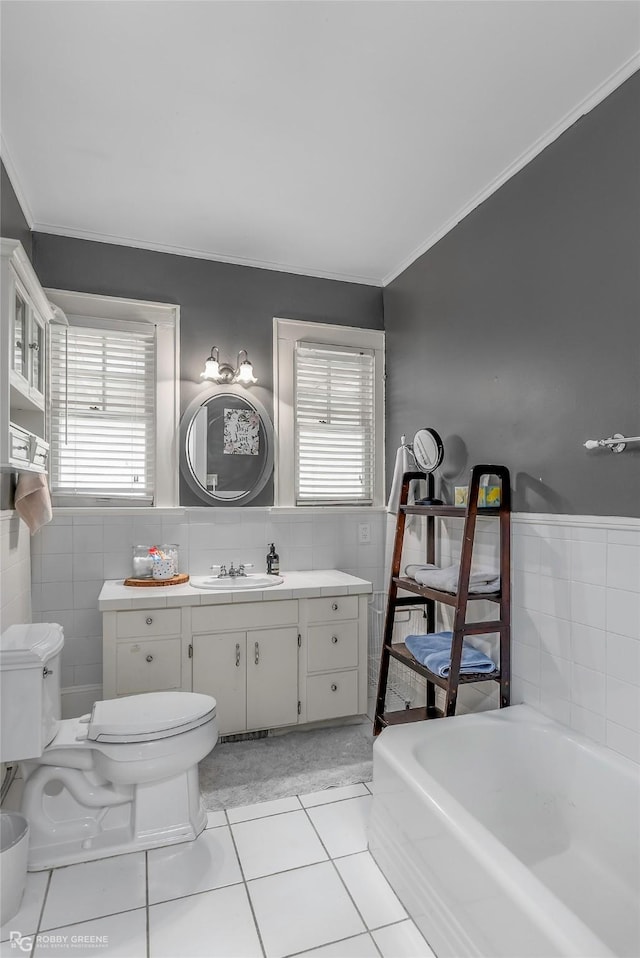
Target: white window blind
103,411
334,424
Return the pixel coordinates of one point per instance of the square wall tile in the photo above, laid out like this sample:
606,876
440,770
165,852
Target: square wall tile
623,658
623,567
588,604
588,646
624,741
588,689
623,704
589,562
623,613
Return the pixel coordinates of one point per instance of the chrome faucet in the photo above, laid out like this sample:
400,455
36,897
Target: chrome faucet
233,573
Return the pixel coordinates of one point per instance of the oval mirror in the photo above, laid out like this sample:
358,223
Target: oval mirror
428,449
226,446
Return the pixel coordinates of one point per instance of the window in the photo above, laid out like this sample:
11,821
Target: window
112,412
334,406
329,414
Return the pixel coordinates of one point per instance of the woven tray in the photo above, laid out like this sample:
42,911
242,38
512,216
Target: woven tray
179,579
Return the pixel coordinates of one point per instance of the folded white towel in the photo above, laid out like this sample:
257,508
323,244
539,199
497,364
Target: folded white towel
32,500
481,580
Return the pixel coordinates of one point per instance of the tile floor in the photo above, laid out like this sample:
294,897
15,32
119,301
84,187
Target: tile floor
286,877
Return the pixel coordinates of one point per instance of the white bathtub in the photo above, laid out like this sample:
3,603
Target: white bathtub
506,834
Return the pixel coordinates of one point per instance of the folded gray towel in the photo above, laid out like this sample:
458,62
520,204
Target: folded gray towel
481,580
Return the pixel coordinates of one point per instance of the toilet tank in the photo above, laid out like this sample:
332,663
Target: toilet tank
29,689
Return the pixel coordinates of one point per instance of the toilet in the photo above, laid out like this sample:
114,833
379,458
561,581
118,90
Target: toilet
120,779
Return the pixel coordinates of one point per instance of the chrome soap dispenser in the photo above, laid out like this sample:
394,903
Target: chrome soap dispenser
273,561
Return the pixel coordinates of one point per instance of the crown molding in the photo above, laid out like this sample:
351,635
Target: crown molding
201,254
616,79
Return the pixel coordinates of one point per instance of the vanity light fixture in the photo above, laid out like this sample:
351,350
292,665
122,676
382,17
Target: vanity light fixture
244,371
219,372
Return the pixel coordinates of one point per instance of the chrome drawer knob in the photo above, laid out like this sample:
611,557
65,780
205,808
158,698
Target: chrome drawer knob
334,639
148,620
334,606
149,658
334,687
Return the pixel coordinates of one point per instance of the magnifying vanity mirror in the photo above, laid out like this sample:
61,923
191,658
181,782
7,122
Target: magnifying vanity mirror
428,452
428,449
226,446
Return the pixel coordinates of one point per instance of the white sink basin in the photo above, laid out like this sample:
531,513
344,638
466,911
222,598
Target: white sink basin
238,584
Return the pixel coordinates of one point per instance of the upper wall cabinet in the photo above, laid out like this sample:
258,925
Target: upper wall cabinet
24,315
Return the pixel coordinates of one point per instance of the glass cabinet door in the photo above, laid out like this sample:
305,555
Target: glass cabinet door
36,351
19,351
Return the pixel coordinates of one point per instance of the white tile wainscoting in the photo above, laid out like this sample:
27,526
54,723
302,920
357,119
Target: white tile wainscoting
15,570
74,554
576,593
576,620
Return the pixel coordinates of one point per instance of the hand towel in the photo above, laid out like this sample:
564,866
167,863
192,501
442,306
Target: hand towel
404,463
32,500
482,580
434,652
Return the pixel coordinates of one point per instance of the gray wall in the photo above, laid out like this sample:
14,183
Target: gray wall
517,336
229,306
13,225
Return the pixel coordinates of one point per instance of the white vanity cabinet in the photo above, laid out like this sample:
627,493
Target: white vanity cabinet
25,314
146,650
334,666
298,656
251,671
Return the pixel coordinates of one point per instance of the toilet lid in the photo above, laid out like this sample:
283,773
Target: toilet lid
150,716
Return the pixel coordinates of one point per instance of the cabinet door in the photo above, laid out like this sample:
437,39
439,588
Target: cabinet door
19,337
219,669
272,678
37,363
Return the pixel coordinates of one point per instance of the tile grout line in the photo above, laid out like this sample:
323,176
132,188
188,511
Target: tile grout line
246,888
44,901
147,914
342,881
333,801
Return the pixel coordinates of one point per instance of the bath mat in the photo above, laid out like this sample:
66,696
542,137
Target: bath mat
280,766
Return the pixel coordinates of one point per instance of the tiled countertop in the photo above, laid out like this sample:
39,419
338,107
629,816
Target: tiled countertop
296,585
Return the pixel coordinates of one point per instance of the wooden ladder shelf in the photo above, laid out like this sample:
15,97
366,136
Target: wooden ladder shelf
429,597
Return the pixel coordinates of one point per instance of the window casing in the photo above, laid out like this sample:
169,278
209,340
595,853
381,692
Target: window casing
329,414
113,402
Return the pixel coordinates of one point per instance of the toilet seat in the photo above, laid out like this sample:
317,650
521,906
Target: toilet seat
148,717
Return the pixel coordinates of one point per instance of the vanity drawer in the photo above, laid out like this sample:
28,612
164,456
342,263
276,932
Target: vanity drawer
332,646
332,607
148,622
332,695
19,445
244,615
148,666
